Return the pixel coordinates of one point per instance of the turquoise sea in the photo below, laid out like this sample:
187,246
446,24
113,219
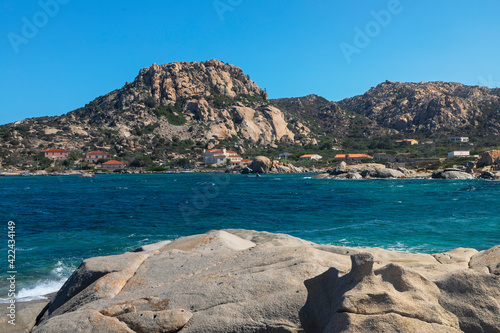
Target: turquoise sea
64,219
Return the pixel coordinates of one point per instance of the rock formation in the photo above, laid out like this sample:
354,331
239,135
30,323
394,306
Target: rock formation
451,174
369,170
444,107
262,164
489,158
317,112
202,102
248,281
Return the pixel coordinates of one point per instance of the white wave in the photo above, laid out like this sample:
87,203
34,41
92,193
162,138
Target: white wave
39,290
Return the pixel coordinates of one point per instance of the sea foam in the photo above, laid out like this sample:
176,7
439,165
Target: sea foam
39,290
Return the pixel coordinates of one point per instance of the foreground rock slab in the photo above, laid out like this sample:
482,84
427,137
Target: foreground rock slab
249,281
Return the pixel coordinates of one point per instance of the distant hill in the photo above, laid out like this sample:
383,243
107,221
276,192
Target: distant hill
175,110
329,118
166,107
444,107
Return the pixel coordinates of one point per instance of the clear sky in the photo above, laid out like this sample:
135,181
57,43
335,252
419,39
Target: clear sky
58,55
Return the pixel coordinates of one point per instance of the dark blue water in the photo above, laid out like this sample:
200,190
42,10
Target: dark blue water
62,220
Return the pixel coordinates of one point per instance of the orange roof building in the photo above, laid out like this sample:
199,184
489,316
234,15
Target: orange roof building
221,156
352,156
56,154
94,156
113,165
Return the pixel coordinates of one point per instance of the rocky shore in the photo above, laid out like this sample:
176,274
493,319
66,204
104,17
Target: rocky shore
374,170
248,281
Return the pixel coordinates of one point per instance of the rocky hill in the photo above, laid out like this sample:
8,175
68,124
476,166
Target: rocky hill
328,118
444,107
201,103
175,110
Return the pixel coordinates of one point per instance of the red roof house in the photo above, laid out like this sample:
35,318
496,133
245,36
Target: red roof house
113,165
221,156
94,156
56,154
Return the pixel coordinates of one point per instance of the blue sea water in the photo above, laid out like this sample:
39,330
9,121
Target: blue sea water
63,220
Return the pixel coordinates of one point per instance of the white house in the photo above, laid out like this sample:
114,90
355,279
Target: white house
311,157
460,139
221,156
284,155
452,154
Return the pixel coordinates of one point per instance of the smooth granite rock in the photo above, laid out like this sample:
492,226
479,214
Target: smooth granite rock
474,297
249,281
260,164
389,173
487,261
451,174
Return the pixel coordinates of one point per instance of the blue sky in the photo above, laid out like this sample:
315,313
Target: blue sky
76,50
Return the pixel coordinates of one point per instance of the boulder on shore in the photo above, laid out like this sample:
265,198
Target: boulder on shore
451,174
488,158
261,164
389,173
249,281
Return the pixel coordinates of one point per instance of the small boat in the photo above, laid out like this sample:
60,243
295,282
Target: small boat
86,175
187,171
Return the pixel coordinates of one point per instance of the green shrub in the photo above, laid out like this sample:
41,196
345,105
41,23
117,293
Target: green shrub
149,102
141,161
173,113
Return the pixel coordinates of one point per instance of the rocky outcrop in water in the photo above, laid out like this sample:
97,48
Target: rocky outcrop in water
262,164
365,171
248,281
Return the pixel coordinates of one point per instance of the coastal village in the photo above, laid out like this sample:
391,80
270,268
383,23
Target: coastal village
222,159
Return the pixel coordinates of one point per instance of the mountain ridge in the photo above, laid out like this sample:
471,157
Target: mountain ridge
177,109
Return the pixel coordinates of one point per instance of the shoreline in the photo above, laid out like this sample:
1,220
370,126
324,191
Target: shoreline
316,174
